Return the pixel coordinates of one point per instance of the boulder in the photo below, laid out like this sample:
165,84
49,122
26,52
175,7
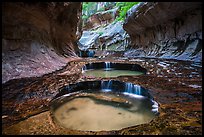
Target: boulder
89,39
111,37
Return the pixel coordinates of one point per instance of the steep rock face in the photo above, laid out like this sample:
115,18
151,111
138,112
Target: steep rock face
111,37
165,30
101,18
89,39
38,38
114,37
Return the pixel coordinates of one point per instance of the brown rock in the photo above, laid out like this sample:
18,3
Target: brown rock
100,18
38,36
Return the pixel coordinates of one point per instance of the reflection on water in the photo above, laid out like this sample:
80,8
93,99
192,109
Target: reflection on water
98,110
104,73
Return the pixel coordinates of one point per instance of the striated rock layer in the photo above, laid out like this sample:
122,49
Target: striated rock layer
38,38
100,19
111,37
175,85
165,30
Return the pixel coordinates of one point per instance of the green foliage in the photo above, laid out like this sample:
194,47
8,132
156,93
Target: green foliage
101,9
85,17
89,8
100,33
123,8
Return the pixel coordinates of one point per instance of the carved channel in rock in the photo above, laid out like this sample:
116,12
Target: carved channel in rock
103,105
109,69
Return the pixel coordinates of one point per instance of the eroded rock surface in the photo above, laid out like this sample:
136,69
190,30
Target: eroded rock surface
111,37
175,85
165,30
101,19
38,37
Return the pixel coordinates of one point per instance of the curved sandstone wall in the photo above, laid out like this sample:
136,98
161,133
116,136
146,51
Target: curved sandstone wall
165,30
38,37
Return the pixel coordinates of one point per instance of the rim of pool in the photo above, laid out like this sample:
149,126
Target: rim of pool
102,106
112,69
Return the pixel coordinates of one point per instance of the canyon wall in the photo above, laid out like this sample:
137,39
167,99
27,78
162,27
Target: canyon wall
101,19
165,30
38,37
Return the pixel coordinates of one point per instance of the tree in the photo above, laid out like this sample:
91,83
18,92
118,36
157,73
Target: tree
123,8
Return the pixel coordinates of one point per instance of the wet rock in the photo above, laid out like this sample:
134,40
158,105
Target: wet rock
86,53
112,37
89,39
175,34
180,106
115,36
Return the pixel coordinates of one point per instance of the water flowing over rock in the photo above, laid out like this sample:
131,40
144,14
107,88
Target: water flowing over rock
165,30
38,37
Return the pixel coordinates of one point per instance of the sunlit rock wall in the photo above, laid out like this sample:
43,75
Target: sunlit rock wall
100,19
165,30
38,37
111,37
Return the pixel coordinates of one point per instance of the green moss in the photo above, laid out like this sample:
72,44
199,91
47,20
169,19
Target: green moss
123,8
100,33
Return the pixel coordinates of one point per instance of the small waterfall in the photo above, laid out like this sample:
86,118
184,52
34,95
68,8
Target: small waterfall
84,68
107,65
129,87
137,89
106,85
155,106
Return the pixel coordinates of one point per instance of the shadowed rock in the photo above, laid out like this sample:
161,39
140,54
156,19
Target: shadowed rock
166,30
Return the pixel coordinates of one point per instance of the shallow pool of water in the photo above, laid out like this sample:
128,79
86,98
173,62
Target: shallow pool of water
103,110
104,73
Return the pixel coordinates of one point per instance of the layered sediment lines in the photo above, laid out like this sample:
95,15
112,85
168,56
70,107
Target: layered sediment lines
165,30
38,38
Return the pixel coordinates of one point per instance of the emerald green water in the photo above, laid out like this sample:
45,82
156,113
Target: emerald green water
110,73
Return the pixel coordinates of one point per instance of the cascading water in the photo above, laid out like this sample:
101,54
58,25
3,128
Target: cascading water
107,66
108,69
106,85
103,105
137,89
84,69
133,90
